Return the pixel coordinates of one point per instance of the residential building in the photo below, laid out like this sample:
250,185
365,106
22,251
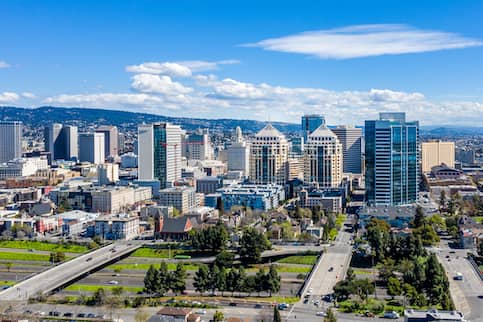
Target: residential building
310,123
91,148
117,227
256,197
268,157
117,199
159,153
238,154
351,139
198,145
435,153
182,198
107,173
61,141
10,140
324,198
392,160
172,314
111,140
323,159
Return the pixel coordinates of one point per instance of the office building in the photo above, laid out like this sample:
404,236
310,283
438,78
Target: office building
208,185
436,153
238,154
107,173
10,140
111,140
159,153
465,156
297,146
61,141
310,123
392,160
268,157
295,166
323,159
22,167
91,148
182,198
351,139
198,146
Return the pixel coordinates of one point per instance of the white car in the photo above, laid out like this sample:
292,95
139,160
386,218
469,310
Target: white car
113,282
200,312
320,313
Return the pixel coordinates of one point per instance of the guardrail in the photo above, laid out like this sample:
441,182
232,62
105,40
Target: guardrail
475,266
311,274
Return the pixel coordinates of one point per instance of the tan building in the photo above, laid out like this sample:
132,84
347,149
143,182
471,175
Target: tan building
268,157
435,153
296,168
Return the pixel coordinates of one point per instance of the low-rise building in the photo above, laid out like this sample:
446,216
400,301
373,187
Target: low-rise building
173,314
182,198
433,315
329,201
256,197
22,167
209,185
117,227
168,228
395,216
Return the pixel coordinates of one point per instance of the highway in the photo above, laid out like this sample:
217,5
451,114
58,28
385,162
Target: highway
465,293
57,276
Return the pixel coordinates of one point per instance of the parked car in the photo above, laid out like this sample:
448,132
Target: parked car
391,315
258,306
320,313
200,312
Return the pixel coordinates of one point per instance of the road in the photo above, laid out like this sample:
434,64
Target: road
464,293
59,275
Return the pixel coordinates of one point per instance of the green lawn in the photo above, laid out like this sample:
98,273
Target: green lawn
340,219
43,246
93,288
157,253
333,233
296,259
5,283
361,272
24,256
145,266
275,299
284,268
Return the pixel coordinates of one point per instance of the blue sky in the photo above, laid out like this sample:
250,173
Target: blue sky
273,60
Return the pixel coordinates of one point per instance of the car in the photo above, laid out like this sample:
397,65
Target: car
320,313
447,256
81,315
68,314
113,282
258,306
458,277
306,301
89,259
331,269
282,306
91,315
452,252
116,274
391,315
233,304
200,312
31,250
5,287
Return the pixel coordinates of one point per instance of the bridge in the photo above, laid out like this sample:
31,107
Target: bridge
58,276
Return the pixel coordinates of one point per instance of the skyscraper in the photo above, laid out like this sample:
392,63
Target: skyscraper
323,159
238,154
91,148
198,145
61,141
392,160
268,157
310,123
351,139
435,153
159,146
10,140
111,139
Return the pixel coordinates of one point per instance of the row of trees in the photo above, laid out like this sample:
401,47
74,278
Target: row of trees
160,281
213,238
214,279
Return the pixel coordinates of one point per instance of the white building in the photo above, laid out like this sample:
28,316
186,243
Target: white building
238,154
351,139
268,157
22,167
117,227
182,198
10,140
117,199
198,146
91,147
323,159
107,173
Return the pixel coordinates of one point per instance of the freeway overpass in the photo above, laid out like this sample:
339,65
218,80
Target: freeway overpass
63,274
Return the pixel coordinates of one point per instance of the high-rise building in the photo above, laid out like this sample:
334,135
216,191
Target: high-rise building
111,139
10,140
268,157
323,159
351,139
436,153
238,154
297,145
91,147
392,160
465,155
107,173
61,141
198,145
159,146
310,123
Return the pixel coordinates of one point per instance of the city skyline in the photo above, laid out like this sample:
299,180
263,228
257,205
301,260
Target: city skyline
254,67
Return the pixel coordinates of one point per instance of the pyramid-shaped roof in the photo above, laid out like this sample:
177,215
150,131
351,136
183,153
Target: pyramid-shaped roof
269,131
322,131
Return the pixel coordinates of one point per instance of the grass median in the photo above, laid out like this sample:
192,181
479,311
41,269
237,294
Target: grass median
93,288
43,246
298,259
145,266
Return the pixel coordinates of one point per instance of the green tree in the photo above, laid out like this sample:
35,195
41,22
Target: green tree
261,281
218,317
249,284
178,279
202,279
213,281
99,297
363,287
163,279
394,287
350,276
221,280
442,201
377,234
117,291
57,257
252,245
273,280
213,238
435,280
233,281
276,315
330,317
225,259
150,280
419,217
8,266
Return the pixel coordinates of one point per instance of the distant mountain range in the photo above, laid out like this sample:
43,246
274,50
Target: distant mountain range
86,117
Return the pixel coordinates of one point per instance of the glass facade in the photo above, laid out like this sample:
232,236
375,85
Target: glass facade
159,157
310,123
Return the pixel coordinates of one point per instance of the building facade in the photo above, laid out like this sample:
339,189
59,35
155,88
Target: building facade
10,140
351,139
436,153
198,145
310,123
392,160
91,148
323,159
182,198
238,154
268,157
61,141
159,147
256,197
111,139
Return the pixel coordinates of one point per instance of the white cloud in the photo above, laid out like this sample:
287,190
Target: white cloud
203,66
28,95
148,83
8,97
179,68
366,40
4,64
104,100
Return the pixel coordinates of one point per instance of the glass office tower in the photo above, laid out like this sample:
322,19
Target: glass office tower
392,160
310,123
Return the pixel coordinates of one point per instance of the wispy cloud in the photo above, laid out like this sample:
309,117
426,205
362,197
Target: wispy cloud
29,95
4,64
8,97
178,68
366,40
